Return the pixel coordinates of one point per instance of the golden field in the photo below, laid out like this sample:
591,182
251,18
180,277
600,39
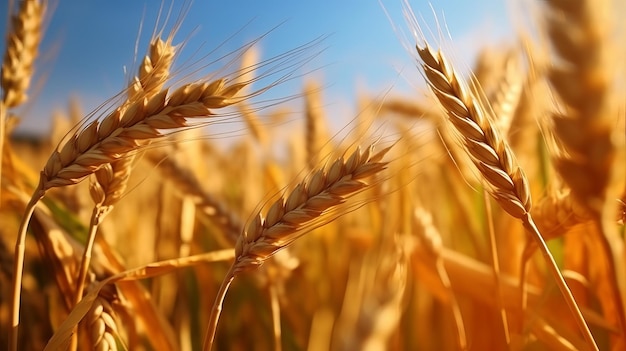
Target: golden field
421,225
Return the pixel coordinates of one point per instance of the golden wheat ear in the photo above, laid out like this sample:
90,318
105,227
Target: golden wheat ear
492,156
308,206
111,179
22,49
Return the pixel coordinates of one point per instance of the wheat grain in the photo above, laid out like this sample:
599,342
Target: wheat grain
112,178
22,45
506,96
103,325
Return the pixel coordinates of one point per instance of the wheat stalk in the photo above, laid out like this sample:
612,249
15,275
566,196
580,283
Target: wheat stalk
307,206
507,183
372,303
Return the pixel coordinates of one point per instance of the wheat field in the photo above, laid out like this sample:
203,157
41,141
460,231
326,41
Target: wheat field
485,212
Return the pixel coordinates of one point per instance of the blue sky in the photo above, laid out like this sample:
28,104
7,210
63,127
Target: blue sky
88,44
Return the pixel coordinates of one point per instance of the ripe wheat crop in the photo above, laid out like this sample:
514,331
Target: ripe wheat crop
414,227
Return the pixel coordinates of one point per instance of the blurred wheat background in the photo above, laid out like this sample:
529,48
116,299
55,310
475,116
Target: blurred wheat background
223,197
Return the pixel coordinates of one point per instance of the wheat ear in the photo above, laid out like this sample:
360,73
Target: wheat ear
102,322
314,124
19,57
309,205
507,183
21,51
111,179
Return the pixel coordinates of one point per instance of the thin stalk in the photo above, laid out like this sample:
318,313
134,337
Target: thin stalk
454,305
530,226
86,259
275,304
216,311
612,272
18,267
84,266
529,249
3,114
496,266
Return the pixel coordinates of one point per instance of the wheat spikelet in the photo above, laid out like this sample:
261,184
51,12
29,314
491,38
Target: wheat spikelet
22,46
285,219
103,326
110,184
506,96
489,152
409,109
154,69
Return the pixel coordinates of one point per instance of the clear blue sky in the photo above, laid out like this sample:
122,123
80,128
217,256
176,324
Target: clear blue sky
88,43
